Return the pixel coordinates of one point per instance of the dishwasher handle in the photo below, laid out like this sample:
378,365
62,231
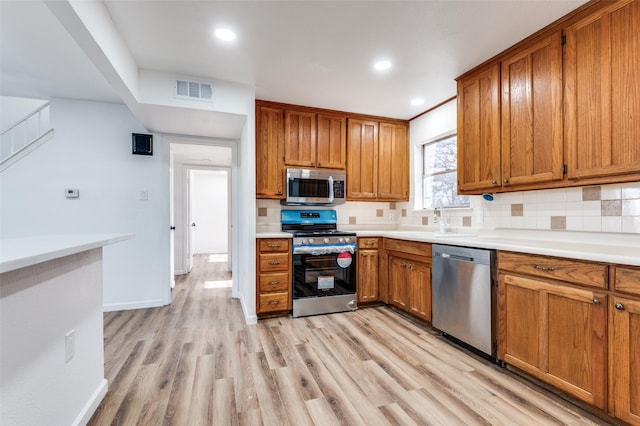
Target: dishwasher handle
455,257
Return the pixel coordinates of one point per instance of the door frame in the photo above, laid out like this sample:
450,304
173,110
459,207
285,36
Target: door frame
233,182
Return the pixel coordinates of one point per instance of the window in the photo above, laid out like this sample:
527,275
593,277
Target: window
439,177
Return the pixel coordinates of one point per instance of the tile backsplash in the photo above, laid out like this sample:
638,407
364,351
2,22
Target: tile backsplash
606,208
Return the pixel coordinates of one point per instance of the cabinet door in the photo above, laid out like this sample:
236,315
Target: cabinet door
393,162
367,276
299,139
362,160
479,131
625,362
331,142
602,92
269,153
419,275
532,144
558,334
398,282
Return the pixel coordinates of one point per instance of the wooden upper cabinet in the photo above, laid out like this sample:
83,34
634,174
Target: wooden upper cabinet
479,130
269,153
331,142
362,160
602,92
299,139
393,162
532,140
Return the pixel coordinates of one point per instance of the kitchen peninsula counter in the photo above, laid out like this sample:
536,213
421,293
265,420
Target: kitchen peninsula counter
51,328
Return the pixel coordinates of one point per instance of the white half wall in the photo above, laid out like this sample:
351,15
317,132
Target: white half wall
91,151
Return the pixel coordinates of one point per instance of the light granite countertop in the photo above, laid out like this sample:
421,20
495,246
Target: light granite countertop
616,248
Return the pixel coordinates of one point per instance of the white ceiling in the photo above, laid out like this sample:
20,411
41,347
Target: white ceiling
317,53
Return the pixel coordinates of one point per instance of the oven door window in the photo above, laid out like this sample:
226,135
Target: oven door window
324,275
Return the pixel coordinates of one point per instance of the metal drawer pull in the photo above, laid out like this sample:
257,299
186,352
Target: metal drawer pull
369,243
274,245
274,282
274,262
544,268
619,306
274,302
596,301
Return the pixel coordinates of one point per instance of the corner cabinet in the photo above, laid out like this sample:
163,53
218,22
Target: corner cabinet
269,152
551,326
377,161
273,276
602,90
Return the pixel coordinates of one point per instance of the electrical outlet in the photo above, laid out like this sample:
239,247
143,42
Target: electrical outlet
392,215
143,195
69,345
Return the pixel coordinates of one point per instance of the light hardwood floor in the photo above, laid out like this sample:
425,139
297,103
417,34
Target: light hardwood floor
195,362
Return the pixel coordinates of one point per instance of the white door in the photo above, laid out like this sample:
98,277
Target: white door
172,224
191,224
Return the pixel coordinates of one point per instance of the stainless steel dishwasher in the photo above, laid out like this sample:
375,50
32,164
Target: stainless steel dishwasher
464,296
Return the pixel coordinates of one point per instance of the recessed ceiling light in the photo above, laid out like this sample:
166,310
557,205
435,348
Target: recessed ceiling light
382,65
417,101
225,34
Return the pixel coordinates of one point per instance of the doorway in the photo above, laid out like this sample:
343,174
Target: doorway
203,207
209,205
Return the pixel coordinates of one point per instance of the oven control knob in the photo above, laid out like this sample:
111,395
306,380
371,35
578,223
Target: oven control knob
304,241
311,240
326,241
341,240
347,239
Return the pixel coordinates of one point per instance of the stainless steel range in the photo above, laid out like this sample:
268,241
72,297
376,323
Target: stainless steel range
324,262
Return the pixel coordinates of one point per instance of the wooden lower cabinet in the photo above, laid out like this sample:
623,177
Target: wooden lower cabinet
556,333
367,267
409,276
624,344
273,276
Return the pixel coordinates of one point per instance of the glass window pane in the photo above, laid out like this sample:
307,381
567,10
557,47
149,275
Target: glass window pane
439,174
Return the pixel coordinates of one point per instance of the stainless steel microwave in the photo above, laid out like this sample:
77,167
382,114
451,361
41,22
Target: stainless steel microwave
315,187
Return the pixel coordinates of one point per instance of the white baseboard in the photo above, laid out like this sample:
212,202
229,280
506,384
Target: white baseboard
142,304
248,318
92,405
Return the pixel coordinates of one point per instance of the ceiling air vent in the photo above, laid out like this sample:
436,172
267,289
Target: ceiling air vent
195,90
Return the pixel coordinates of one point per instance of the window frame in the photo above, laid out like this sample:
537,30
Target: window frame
448,170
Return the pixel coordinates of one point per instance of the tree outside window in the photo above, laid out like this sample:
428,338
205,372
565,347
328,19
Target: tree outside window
440,174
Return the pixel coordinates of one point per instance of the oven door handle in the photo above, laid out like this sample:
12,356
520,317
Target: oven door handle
318,250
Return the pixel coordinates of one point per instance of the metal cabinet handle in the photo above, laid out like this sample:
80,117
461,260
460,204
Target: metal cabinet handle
274,262
274,302
274,282
506,181
274,245
596,301
544,268
619,306
494,182
369,243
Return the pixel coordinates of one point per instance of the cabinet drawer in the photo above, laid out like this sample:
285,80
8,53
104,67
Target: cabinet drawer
572,271
627,280
273,302
411,247
274,245
273,282
274,262
367,243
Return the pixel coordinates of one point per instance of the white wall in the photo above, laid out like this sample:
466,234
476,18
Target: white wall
210,196
38,306
91,151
